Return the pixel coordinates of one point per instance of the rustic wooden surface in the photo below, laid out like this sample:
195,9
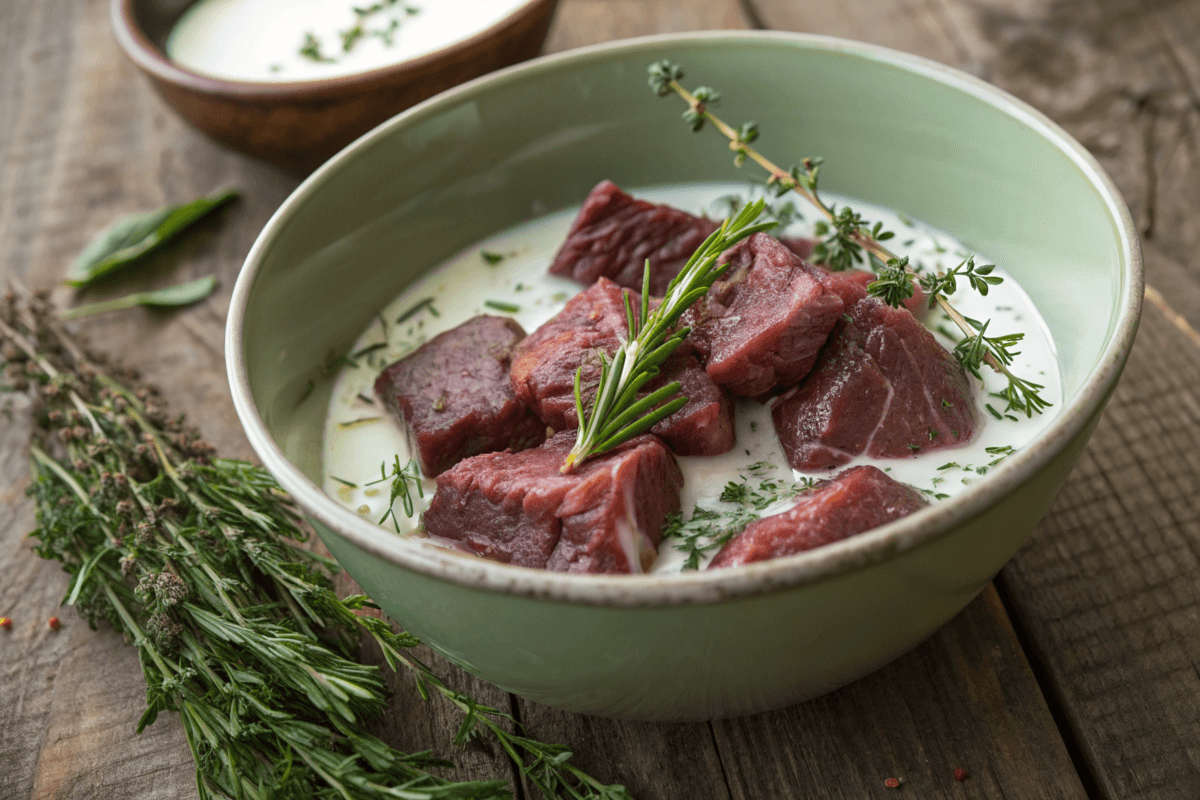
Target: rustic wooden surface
1079,677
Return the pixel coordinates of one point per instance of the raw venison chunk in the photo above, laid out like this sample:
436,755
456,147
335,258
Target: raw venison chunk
518,508
614,234
544,365
857,500
763,324
454,396
799,245
842,283
882,386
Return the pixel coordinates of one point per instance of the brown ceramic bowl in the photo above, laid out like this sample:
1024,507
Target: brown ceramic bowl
299,125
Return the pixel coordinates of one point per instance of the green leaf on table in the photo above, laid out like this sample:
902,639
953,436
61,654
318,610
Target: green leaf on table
180,295
134,235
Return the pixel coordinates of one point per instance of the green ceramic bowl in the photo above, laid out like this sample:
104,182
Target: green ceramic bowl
894,129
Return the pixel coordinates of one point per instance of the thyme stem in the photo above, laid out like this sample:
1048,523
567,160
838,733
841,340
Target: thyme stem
1021,394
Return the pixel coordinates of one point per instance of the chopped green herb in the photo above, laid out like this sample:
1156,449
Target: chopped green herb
708,529
993,411
311,49
491,258
426,303
507,308
365,399
344,482
401,477
371,348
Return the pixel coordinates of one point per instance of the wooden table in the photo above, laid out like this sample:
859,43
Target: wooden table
1077,674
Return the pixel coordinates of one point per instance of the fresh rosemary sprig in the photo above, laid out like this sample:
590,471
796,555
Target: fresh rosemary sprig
237,628
617,414
847,237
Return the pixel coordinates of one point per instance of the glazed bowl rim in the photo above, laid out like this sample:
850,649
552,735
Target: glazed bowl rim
154,61
654,590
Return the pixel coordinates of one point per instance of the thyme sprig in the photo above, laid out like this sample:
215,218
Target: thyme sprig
617,414
848,238
238,629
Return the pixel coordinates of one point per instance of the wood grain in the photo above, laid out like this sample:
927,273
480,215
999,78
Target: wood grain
1105,593
1108,589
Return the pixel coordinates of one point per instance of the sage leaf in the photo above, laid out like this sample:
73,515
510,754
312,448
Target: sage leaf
134,235
180,295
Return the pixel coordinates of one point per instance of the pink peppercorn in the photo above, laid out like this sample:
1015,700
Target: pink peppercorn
960,774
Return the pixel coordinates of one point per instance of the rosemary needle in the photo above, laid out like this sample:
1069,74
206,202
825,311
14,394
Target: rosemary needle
238,630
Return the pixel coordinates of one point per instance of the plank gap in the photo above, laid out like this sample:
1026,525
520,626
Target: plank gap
753,18
1053,699
514,708
712,731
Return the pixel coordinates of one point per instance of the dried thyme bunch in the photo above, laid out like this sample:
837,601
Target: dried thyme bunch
238,630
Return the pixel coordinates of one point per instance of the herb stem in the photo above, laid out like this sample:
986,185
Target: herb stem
740,145
617,414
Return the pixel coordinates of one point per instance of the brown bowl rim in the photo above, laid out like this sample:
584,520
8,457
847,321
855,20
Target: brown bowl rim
154,61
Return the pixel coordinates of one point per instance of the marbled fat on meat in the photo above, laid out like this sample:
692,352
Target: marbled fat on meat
454,396
615,233
857,500
763,323
605,516
544,365
882,386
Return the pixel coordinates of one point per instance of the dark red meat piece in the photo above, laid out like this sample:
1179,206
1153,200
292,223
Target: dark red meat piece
798,245
882,386
857,500
454,396
518,508
615,233
917,305
763,324
544,365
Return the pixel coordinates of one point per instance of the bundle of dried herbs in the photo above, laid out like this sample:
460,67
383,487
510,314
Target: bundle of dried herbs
238,629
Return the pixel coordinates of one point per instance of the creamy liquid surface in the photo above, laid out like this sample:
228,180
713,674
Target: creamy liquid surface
261,40
361,435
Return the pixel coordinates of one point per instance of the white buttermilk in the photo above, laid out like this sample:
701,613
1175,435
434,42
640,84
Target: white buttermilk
261,40
461,286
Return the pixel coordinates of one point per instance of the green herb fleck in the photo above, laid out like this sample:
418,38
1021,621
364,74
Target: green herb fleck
507,308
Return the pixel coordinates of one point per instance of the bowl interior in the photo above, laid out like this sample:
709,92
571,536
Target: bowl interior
893,129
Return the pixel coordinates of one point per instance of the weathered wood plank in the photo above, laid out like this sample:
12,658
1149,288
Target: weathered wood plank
966,698
1108,588
583,22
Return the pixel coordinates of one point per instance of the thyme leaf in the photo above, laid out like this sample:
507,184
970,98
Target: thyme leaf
848,239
